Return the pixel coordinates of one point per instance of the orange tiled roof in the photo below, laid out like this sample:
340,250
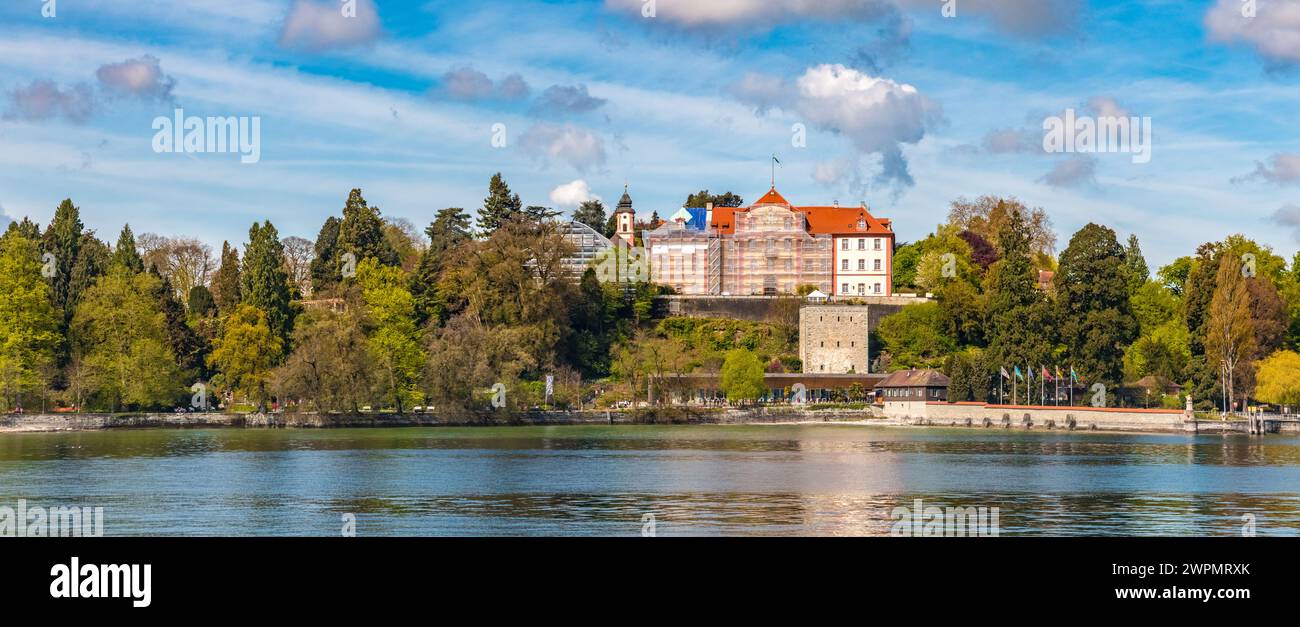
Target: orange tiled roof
724,220
843,221
772,197
821,220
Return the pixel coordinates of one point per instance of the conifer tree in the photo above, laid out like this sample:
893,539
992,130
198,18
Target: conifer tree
126,255
264,281
226,283
499,207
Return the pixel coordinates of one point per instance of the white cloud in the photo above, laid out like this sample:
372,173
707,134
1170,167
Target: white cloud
1283,168
877,115
470,85
141,78
43,100
574,145
1273,31
572,194
1012,140
315,25
561,99
1030,18
1106,107
695,13
1072,172
762,91
1289,216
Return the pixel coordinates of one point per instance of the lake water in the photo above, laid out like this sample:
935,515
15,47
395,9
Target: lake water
694,480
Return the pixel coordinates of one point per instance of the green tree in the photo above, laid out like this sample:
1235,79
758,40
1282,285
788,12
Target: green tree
962,311
93,260
1138,272
1153,306
915,337
393,337
742,376
186,345
1279,379
120,338
499,207
1019,324
125,254
1092,297
25,229
702,198
592,214
449,229
264,280
226,282
63,239
362,232
29,322
200,302
1174,276
330,367
245,354
325,271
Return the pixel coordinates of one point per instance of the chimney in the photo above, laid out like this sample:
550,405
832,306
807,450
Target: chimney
709,207
837,204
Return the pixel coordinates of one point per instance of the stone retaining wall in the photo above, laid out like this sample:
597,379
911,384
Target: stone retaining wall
1039,417
658,415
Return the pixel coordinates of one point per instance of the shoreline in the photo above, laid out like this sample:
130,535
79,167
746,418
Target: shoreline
64,423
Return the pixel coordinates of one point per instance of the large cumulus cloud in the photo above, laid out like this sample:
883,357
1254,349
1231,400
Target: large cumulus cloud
877,115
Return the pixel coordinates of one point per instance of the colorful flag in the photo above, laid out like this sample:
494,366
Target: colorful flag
1058,372
1029,373
1004,373
1074,377
1047,376
1019,377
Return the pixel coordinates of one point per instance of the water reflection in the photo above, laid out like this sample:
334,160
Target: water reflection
696,480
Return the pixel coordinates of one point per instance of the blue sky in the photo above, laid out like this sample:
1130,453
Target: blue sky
904,109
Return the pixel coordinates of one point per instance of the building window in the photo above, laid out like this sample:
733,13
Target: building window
789,265
844,289
862,264
844,244
862,288
877,288
862,244
844,264
876,265
877,243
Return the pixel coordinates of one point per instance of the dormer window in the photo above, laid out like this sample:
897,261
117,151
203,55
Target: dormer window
862,225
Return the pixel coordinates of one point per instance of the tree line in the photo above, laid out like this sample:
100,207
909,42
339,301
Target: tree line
1222,324
369,314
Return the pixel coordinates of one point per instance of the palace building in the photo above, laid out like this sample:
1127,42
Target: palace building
773,247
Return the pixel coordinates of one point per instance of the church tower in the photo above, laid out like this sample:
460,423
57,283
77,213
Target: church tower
625,219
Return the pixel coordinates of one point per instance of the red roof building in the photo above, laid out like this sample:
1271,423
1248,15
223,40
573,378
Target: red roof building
774,247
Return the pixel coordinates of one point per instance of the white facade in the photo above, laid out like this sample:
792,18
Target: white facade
862,265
